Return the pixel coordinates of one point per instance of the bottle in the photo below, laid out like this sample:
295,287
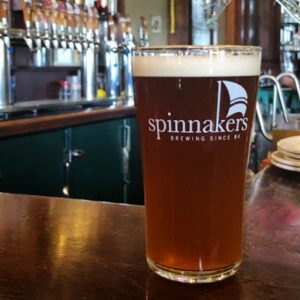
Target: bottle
65,90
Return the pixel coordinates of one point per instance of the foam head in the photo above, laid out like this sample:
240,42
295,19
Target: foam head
213,62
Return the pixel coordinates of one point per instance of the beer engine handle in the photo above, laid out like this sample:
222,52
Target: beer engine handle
4,15
144,36
27,11
111,29
294,78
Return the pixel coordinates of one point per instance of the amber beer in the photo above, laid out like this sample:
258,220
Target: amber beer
195,108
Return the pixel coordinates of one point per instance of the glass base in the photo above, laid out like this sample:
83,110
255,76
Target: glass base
193,276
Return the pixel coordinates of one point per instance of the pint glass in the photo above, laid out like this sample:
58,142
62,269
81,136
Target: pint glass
195,107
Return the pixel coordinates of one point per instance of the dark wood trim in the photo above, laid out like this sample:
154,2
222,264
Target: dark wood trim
232,23
252,22
121,6
37,124
182,34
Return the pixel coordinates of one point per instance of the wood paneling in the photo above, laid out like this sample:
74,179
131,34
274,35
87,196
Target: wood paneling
232,23
121,6
252,22
182,22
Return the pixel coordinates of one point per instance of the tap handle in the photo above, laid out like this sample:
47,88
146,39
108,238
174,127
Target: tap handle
128,24
4,16
144,36
128,29
84,18
37,16
111,28
61,20
70,16
76,17
89,18
46,10
4,10
122,28
95,19
27,11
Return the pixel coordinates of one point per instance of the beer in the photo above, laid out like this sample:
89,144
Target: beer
195,115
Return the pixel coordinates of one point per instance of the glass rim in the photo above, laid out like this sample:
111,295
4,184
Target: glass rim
198,49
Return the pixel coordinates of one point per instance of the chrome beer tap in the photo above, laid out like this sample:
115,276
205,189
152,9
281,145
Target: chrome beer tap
90,27
27,11
62,24
127,58
84,28
143,32
77,26
5,79
112,63
294,78
47,5
37,20
277,92
54,25
70,25
41,37
4,18
89,54
96,27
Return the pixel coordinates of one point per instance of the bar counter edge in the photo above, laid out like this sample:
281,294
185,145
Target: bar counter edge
54,121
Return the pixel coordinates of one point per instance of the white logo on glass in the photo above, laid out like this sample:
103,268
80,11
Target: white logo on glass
235,119
238,98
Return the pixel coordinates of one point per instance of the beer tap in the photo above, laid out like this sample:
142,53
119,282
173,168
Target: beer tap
112,61
47,6
89,57
70,25
127,58
143,32
129,36
4,23
62,24
90,27
37,19
84,28
27,11
5,93
54,24
111,31
77,26
103,21
4,18
96,26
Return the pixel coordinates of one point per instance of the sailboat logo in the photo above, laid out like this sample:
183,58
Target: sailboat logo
238,98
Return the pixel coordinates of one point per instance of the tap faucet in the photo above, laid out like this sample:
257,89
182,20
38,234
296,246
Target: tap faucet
70,25
128,45
5,92
37,19
143,32
277,91
77,26
47,6
294,78
27,12
61,22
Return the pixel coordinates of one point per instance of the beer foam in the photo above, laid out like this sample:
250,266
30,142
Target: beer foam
195,66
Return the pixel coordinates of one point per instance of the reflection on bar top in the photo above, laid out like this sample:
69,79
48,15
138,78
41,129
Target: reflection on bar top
36,108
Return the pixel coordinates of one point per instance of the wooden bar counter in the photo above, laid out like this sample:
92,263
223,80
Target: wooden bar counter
54,248
27,125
